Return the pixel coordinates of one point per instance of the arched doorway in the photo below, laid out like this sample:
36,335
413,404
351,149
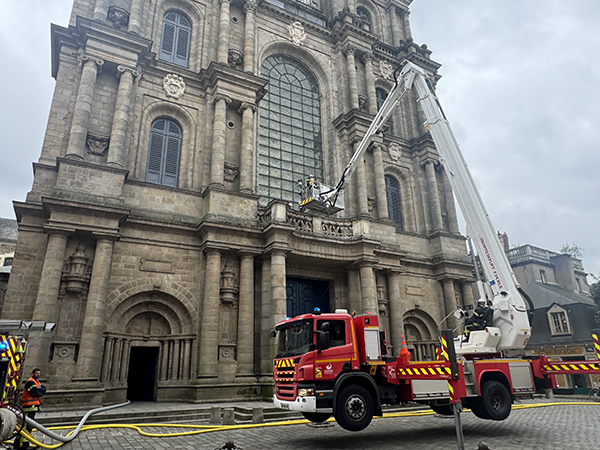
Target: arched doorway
421,335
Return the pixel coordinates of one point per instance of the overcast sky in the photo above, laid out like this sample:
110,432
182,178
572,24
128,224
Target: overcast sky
520,86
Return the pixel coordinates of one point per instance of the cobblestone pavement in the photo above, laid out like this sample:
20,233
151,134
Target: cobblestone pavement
547,428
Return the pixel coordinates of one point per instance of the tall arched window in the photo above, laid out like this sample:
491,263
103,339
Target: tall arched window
381,96
392,190
364,14
289,135
164,153
175,41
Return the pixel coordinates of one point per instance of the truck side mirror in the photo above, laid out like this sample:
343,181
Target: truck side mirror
323,340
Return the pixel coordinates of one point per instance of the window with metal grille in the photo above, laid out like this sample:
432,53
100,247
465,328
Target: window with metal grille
289,135
164,153
392,191
560,323
381,96
8,262
175,42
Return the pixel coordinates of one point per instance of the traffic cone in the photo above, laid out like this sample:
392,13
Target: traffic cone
404,353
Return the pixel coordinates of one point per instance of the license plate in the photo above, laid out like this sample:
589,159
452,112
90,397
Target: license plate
285,406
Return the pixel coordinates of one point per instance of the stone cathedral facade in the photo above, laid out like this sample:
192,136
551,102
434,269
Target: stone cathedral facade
162,233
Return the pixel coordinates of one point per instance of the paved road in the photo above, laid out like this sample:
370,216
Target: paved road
547,428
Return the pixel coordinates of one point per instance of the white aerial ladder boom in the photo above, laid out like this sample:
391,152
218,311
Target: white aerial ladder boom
511,328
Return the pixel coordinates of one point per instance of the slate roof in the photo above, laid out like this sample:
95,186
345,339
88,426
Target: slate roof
8,230
545,295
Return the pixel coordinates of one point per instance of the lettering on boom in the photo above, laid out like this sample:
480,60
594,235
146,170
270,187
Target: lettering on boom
488,258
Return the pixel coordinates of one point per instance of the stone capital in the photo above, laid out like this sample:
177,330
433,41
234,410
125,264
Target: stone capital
58,230
99,62
349,49
430,159
122,69
245,106
250,6
218,97
224,1
106,237
367,57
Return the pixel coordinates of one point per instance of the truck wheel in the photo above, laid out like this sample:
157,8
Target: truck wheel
478,408
354,408
496,400
444,410
316,417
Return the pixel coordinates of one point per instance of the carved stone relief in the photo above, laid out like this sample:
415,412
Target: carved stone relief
394,150
386,70
118,16
174,86
97,144
297,33
231,172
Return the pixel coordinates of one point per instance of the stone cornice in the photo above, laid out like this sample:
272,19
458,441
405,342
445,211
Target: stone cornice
274,11
220,79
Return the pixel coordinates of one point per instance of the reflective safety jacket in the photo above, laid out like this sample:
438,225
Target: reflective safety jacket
32,393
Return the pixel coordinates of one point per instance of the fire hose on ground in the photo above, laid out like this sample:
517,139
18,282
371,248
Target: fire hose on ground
199,429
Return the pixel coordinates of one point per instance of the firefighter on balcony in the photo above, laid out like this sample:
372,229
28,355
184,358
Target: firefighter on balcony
478,320
30,401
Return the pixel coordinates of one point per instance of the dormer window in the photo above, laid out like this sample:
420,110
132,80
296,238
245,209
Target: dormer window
558,318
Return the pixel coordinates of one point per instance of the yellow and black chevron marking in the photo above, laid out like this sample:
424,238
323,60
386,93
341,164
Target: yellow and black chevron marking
445,349
596,344
11,348
433,372
570,368
284,363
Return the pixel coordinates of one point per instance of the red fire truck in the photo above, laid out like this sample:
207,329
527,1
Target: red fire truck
338,364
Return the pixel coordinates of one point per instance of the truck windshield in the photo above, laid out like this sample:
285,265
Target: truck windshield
294,338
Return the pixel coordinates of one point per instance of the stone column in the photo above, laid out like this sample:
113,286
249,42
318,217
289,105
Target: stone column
351,6
349,51
249,34
266,363
135,17
246,156
90,347
245,343
278,289
171,360
370,78
106,359
124,360
434,199
361,185
396,311
83,107
336,7
450,302
164,359
367,289
223,44
406,23
118,132
187,353
354,291
101,10
217,161
397,34
382,208
209,337
46,301
176,359
449,205
467,293
116,359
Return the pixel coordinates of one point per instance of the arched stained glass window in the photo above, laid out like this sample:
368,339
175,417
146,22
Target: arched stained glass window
381,96
392,190
164,152
175,40
289,136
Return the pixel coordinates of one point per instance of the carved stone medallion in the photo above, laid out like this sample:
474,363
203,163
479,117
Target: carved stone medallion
394,151
118,16
174,86
297,33
386,70
97,144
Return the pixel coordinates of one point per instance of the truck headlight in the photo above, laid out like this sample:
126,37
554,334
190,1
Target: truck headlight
306,392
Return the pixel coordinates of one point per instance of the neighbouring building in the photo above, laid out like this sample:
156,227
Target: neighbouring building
563,309
8,242
161,233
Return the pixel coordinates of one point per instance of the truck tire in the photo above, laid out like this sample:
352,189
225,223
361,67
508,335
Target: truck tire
354,408
316,417
494,403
